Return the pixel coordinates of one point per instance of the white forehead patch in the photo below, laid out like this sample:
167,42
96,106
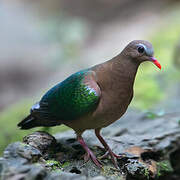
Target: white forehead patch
149,51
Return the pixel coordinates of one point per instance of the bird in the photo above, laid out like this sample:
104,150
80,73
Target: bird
93,98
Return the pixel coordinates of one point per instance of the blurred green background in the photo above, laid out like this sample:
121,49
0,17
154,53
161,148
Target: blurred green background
42,42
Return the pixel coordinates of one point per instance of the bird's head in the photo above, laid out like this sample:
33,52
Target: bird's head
140,51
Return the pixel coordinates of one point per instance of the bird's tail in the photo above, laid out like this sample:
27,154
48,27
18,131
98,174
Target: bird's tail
31,121
28,123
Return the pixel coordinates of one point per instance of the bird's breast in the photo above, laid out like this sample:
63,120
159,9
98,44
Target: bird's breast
112,106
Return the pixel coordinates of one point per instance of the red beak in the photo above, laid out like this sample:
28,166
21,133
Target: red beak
155,61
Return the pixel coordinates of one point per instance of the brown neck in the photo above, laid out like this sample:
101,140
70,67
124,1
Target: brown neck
124,67
116,73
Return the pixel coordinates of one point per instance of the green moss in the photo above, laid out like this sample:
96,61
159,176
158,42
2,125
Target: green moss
54,165
164,167
65,164
146,173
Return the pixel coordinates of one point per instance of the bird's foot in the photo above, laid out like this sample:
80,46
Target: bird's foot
86,157
114,157
89,154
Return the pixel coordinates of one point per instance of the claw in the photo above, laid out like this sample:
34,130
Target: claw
86,157
107,153
104,155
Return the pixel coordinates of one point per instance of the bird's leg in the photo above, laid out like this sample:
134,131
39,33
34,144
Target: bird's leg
89,152
113,155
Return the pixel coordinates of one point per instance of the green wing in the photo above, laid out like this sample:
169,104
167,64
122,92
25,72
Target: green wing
72,98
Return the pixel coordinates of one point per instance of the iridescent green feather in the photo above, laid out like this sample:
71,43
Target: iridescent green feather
71,98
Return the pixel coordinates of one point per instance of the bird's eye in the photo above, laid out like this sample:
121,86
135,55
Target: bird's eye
141,49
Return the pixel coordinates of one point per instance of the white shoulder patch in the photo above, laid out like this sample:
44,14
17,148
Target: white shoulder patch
35,106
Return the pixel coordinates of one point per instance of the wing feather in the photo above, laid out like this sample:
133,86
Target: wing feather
75,96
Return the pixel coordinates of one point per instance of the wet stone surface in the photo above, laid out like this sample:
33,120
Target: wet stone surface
149,143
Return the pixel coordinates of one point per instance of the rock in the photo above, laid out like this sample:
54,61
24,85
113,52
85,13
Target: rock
65,176
17,160
42,141
148,142
23,152
98,178
37,171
